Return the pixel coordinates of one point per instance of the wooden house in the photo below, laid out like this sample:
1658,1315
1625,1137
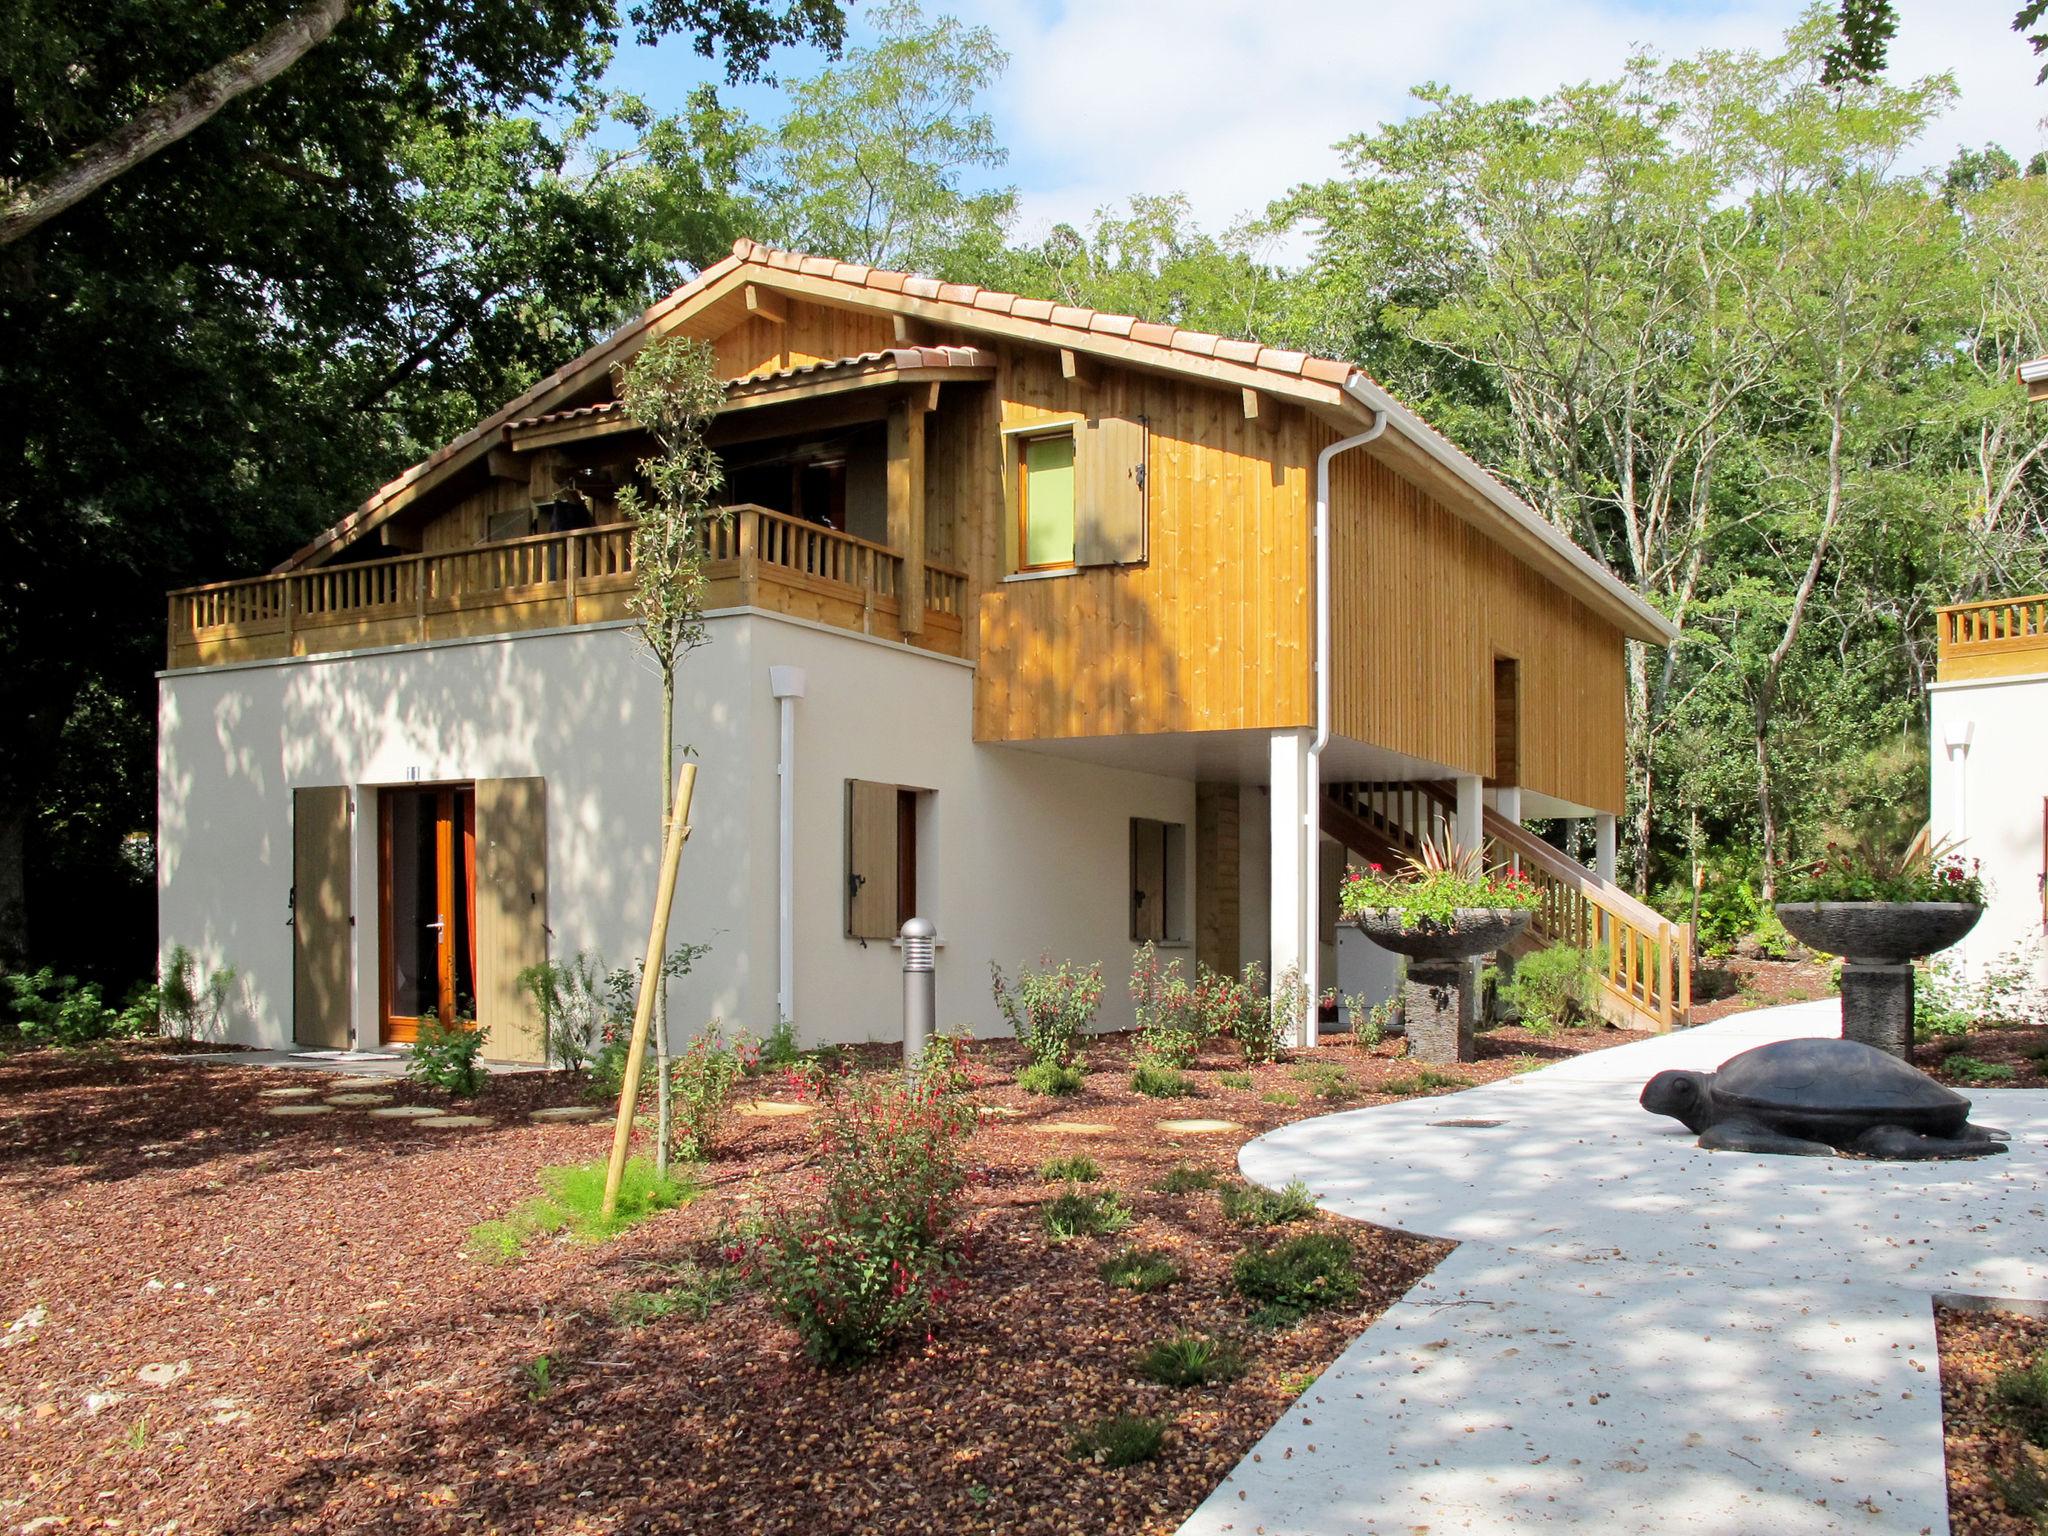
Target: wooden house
1065,630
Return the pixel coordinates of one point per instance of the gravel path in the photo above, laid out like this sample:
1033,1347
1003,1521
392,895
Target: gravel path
1636,1335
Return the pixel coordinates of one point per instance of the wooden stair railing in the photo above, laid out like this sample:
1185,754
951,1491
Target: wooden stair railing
1646,980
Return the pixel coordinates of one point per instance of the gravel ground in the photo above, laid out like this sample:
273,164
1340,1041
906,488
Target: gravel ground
1982,1448
233,1322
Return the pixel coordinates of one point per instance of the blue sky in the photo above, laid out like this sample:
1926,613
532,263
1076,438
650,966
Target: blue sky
1233,101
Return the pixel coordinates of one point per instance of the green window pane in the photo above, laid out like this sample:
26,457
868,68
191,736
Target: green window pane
1049,500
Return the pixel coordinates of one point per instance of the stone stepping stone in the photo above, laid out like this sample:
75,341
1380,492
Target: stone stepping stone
768,1109
288,1093
453,1122
1072,1128
1197,1127
162,1373
354,1100
566,1112
997,1111
404,1112
299,1109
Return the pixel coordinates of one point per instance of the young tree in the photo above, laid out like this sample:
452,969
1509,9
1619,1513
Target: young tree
672,389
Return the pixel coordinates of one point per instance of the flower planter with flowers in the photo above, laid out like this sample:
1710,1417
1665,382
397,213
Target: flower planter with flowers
1444,908
1881,912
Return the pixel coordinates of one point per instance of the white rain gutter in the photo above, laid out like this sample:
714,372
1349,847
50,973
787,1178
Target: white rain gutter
787,685
1312,789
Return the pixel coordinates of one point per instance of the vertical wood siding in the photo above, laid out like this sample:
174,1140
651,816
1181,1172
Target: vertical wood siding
813,333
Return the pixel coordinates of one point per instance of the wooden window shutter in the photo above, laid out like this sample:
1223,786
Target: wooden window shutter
511,912
871,860
1148,880
322,956
1109,491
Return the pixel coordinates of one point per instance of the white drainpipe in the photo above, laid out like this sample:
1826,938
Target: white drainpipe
1312,809
787,685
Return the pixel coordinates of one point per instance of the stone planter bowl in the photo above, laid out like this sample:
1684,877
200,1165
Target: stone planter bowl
1878,932
1476,931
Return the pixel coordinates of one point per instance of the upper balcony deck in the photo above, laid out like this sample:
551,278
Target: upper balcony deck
2005,637
756,558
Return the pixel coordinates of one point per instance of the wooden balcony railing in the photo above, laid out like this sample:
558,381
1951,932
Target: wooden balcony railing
753,557
2007,637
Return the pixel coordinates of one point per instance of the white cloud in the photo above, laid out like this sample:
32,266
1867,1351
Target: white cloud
1232,103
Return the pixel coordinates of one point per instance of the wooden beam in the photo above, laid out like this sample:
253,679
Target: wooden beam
911,331
906,506
766,304
506,464
1261,410
1076,369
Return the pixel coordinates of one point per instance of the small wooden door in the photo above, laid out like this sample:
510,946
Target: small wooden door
426,891
321,921
511,910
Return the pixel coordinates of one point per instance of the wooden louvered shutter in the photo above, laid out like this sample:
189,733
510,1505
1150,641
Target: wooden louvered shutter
871,860
322,956
511,912
1109,491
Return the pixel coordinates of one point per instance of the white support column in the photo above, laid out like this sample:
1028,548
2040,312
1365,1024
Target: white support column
1508,801
1959,735
1571,836
1469,830
1292,871
1603,847
787,686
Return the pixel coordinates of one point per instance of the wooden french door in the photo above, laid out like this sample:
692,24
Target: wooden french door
426,895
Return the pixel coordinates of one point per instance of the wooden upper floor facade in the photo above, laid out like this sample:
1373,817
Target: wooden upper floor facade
1113,520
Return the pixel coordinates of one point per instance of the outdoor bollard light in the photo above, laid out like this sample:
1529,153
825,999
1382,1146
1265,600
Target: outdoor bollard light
920,986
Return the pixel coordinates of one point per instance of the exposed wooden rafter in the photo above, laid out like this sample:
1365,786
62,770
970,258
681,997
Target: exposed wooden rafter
766,304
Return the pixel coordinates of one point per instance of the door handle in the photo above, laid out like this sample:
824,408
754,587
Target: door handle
436,925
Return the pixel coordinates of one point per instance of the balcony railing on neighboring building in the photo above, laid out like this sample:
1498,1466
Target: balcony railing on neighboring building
2005,637
754,558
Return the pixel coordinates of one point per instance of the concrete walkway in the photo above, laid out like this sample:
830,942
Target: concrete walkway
1636,1335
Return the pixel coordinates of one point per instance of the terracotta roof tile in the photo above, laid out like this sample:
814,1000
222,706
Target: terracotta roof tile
921,287
1151,334
957,293
1067,314
999,303
1231,350
1326,370
1282,361
1201,343
886,282
1111,325
1032,309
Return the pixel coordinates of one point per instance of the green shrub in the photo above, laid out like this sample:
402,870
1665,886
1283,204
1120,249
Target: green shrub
1370,1022
1121,1441
1190,1360
1241,1081
1184,1179
2022,1398
1079,1169
1052,1079
1970,1069
1143,1270
1084,1213
1426,1081
696,1291
1250,1206
1555,987
2024,1490
1048,1010
445,1056
573,1202
496,1242
1324,1080
575,1006
703,1078
872,1256
1175,1015
1297,1276
1157,1080
1281,1097
1434,886
187,1006
779,1050
48,1009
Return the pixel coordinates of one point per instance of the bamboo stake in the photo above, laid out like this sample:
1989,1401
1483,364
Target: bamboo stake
651,979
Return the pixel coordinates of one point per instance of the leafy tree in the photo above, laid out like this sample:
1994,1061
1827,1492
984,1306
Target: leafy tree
672,389
870,162
1856,55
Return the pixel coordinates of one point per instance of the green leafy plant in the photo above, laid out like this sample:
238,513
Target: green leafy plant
705,1075
446,1056
1049,1009
1143,1270
1184,1179
1250,1206
1157,1080
1051,1079
573,1000
1175,1016
572,1202
1324,1080
1239,1081
1297,1276
1245,1010
779,1050
539,1376
1428,1080
695,1293
2022,1398
1281,1097
1371,1022
1084,1213
1123,1440
1864,870
2024,1489
190,1006
1190,1360
49,1009
1971,1069
1078,1169
871,1257
1434,885
1555,987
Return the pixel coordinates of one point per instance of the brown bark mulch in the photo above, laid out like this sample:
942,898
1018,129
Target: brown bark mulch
2021,1048
335,1361
1737,983
1983,1449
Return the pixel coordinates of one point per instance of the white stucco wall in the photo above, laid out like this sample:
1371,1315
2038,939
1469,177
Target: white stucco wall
2002,779
1024,854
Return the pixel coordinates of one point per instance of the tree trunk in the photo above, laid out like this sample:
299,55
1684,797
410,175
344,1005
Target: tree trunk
13,888
1766,810
664,1104
169,119
1641,765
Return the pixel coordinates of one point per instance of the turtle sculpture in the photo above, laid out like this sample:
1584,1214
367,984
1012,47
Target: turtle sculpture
1816,1098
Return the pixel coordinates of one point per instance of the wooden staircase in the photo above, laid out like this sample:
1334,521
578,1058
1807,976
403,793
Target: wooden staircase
1646,982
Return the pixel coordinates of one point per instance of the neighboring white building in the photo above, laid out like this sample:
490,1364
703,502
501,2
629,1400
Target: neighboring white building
1988,750
1014,627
